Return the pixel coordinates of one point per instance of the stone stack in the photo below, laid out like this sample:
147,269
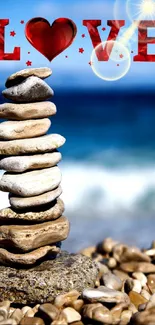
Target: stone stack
32,228
34,223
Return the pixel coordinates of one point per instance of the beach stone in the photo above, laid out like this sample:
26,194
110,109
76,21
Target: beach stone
31,183
60,320
8,321
28,238
19,76
71,315
141,277
125,317
138,267
77,304
30,90
104,294
45,213
151,282
32,321
27,111
7,258
146,317
34,201
17,315
42,283
19,164
49,312
12,130
4,309
151,302
123,253
107,245
97,312
136,299
42,144
66,299
112,281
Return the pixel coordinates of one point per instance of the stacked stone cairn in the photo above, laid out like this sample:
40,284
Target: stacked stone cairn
32,228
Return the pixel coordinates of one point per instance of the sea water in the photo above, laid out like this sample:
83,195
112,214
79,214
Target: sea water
108,166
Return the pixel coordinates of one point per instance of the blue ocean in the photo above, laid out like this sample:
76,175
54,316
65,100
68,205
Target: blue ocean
108,166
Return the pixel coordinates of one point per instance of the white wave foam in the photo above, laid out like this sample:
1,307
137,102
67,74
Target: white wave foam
95,189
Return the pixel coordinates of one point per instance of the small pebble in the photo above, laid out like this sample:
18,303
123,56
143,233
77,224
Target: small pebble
32,321
71,315
112,281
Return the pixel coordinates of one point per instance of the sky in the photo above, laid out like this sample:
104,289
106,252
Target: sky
74,71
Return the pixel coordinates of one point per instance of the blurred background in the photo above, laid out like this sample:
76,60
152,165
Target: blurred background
108,164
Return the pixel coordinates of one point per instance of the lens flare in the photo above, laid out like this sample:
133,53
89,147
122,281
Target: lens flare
141,9
118,64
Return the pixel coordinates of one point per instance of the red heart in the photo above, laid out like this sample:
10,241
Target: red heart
50,40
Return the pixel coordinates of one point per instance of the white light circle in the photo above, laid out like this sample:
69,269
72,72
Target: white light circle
118,64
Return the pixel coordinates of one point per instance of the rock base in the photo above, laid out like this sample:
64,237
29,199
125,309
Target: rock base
44,282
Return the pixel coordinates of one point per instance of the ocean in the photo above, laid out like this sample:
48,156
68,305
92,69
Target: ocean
108,166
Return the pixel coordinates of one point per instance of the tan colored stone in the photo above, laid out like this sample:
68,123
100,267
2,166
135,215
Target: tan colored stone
19,76
97,312
151,282
19,164
25,309
17,315
107,245
71,315
88,251
138,267
77,304
30,90
27,111
31,183
104,294
60,320
136,299
42,144
116,312
125,317
49,312
141,277
12,130
4,309
35,201
146,317
32,321
27,238
8,321
49,212
123,254
8,258
66,299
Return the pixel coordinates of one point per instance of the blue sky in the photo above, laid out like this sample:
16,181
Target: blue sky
74,71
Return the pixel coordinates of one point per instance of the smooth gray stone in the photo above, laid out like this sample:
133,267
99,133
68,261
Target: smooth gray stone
43,283
30,90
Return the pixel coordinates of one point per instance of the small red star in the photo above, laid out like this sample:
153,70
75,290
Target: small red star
103,29
22,21
121,56
66,56
83,35
90,63
12,33
28,63
28,52
81,50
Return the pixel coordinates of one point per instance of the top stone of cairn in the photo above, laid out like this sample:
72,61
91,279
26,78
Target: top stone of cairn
19,76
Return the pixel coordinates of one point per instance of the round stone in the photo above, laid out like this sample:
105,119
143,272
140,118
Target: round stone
19,76
44,282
